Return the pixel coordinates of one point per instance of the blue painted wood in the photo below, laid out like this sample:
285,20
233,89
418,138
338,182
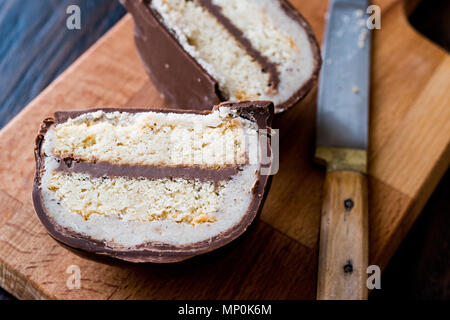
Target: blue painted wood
36,46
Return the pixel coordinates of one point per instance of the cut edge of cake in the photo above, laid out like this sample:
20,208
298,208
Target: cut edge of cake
74,178
193,57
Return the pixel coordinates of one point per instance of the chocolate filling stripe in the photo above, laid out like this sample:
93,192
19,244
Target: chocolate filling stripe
266,65
102,169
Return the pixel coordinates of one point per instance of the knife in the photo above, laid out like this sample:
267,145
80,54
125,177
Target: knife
341,144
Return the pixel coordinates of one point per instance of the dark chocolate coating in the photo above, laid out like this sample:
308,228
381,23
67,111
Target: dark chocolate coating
178,76
259,112
184,84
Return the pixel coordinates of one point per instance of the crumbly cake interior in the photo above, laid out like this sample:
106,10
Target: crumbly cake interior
141,199
264,23
215,49
127,210
152,138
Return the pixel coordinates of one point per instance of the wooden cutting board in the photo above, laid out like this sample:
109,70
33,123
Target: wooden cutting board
276,258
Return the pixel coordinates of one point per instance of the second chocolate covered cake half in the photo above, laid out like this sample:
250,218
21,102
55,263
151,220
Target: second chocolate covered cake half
226,50
152,185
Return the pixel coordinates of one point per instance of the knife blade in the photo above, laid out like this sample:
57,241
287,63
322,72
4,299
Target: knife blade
341,144
343,112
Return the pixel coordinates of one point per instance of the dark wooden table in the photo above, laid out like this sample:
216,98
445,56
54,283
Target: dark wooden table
36,46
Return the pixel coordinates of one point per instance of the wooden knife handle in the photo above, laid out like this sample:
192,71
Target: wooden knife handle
344,241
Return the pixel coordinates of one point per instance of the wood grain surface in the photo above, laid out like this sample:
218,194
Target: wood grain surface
277,257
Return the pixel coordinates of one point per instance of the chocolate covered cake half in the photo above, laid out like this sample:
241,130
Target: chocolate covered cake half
226,50
152,185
